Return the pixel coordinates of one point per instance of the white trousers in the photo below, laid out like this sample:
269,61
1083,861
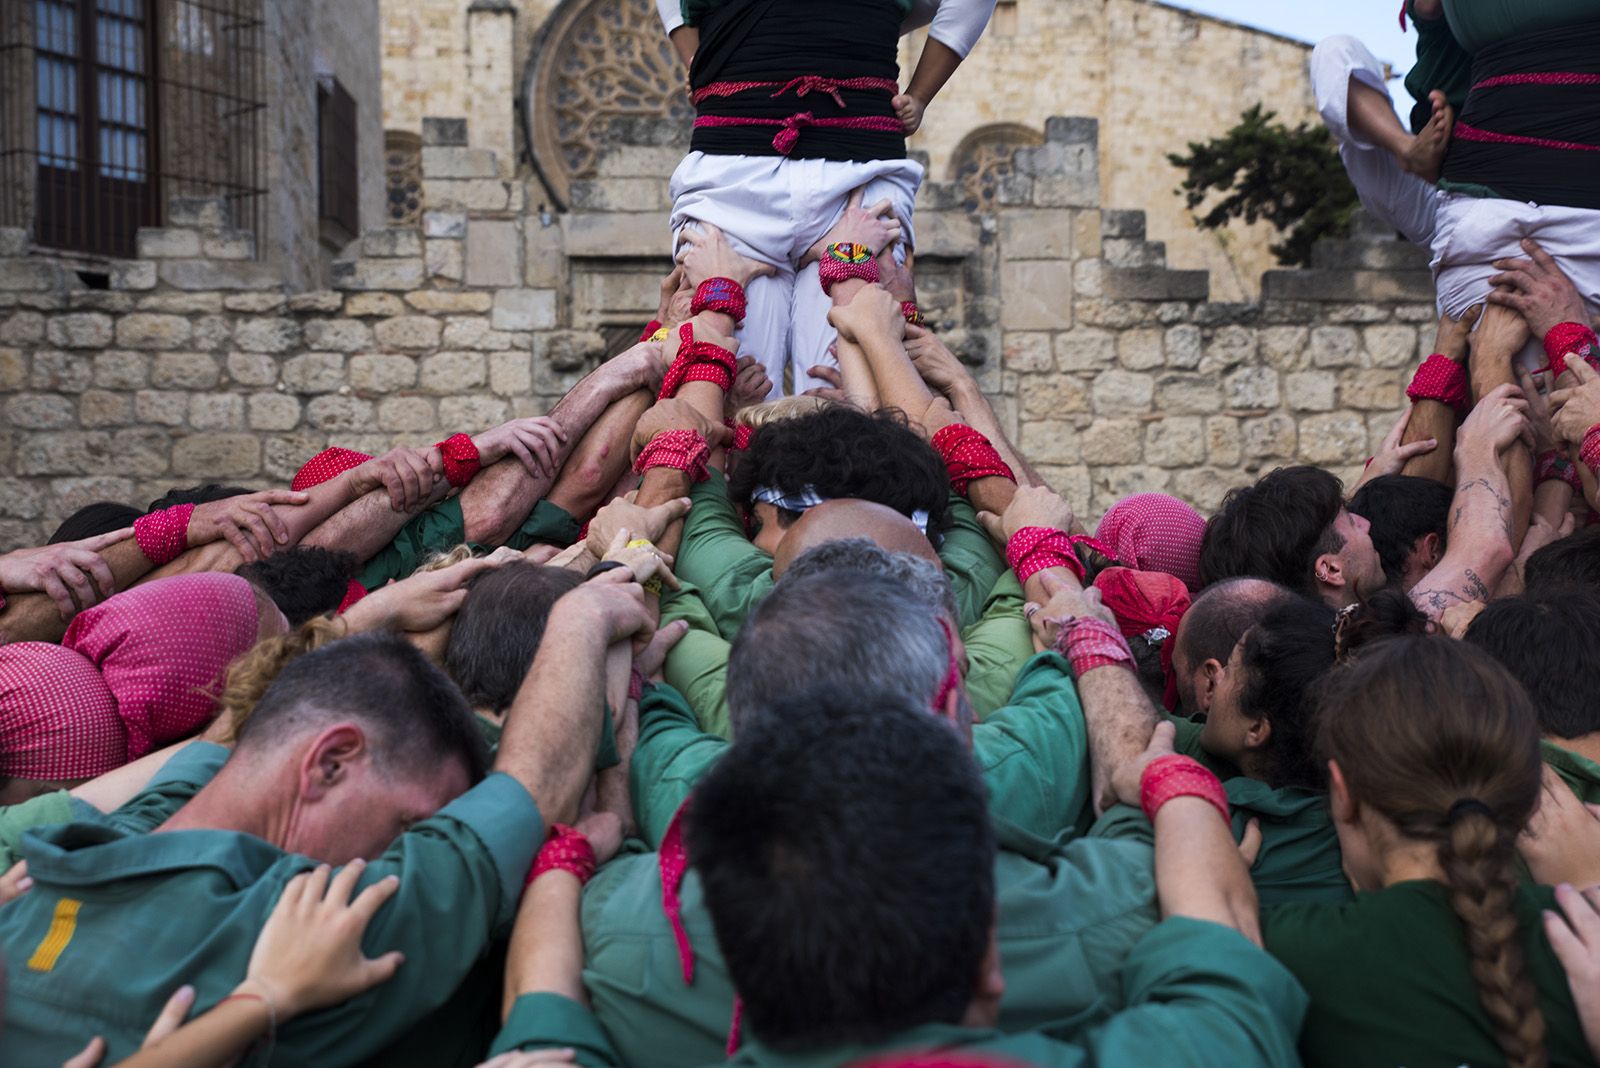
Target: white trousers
1389,194
773,209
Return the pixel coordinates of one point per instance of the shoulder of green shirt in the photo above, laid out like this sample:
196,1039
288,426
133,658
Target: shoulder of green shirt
672,755
1578,772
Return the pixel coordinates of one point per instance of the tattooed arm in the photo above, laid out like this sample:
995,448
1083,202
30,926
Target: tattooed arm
1481,516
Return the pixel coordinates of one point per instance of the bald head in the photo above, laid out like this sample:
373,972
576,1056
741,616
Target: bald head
850,518
1215,622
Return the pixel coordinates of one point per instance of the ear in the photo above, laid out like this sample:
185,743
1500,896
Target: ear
1212,669
1345,808
1329,570
1428,550
1257,733
328,759
988,987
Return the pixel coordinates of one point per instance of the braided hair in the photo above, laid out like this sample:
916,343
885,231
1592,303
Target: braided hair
1442,741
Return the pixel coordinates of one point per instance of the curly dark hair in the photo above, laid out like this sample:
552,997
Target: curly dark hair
303,582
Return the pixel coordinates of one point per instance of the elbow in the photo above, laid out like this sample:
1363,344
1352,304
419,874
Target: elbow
491,525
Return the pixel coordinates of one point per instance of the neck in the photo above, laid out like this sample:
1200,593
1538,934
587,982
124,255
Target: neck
1585,745
1408,861
229,804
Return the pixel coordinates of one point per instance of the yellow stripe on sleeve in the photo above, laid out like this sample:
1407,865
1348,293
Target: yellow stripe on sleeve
62,926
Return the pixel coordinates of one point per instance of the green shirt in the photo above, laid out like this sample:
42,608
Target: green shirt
1578,772
997,646
733,575
1034,753
1441,64
1197,994
156,911
442,527
1068,913
1391,983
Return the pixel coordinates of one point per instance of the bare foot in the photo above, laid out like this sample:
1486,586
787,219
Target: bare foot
1451,339
1425,156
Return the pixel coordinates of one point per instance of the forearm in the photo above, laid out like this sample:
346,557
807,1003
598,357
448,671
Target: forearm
939,61
33,617
213,1040
899,384
1192,842
1120,720
499,499
860,388
1436,420
1482,514
686,42
601,457
975,408
363,527
546,952
117,787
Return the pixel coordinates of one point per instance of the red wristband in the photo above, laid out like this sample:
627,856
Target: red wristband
681,450
650,330
719,295
163,536
968,456
1179,776
1032,549
461,460
565,850
912,313
741,435
843,261
698,361
1589,453
328,464
1092,643
1441,379
353,592
1570,339
1554,465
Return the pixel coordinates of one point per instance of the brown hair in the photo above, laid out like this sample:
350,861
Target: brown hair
1441,740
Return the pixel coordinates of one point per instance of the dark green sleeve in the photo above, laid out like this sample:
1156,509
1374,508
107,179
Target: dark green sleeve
179,779
998,644
436,530
547,524
970,560
550,1021
672,755
1035,752
730,572
46,810
697,666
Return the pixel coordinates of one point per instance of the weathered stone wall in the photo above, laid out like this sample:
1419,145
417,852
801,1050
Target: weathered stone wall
1114,373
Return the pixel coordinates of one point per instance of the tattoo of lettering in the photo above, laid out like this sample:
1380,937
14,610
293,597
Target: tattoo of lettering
1502,503
1435,602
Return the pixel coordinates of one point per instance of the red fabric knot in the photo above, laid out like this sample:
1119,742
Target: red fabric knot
802,85
969,456
698,361
1441,379
812,82
328,464
1145,604
681,450
1169,777
650,330
719,295
461,461
674,862
1571,339
163,536
353,592
1092,643
786,138
1590,451
1032,549
566,849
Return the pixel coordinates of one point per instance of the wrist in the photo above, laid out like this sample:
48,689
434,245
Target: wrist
273,1007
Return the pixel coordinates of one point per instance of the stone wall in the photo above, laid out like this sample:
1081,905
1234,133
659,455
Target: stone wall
1114,373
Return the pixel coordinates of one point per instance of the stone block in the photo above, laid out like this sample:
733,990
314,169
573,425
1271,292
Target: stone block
1141,350
1085,349
445,259
366,275
337,335
1177,441
1122,224
524,309
414,332
199,212
228,245
382,374
1155,283
1034,234
22,328
572,350
19,499
655,161
1325,286
1338,437
13,369
613,234
511,373
1119,392
449,302
274,336
217,274
1124,252
1374,390
1251,387
217,455
444,224
103,300
216,411
473,410
141,450
252,368
544,258
949,234
1390,346
1204,487
274,411
318,301
211,332
31,275
362,305
1387,255
1310,391
1185,345
1230,347
1334,347
474,333
1053,397
85,330
1270,437
40,411
444,132
1067,190
340,414
182,303
1112,441
148,330
449,372
314,372
406,414
470,195
494,253
14,241
263,303
61,372
1027,352
1188,394
283,454
64,452
161,407
1284,347
1036,294
166,243
392,243
451,161
185,370
620,194
132,275
1222,440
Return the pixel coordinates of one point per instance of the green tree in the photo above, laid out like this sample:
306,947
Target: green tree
1264,170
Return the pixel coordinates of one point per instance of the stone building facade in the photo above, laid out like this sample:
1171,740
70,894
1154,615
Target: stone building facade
1113,372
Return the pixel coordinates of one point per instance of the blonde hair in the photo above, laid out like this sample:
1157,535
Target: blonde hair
249,676
440,561
781,410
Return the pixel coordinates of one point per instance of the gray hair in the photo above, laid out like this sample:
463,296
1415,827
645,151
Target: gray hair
921,578
854,629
